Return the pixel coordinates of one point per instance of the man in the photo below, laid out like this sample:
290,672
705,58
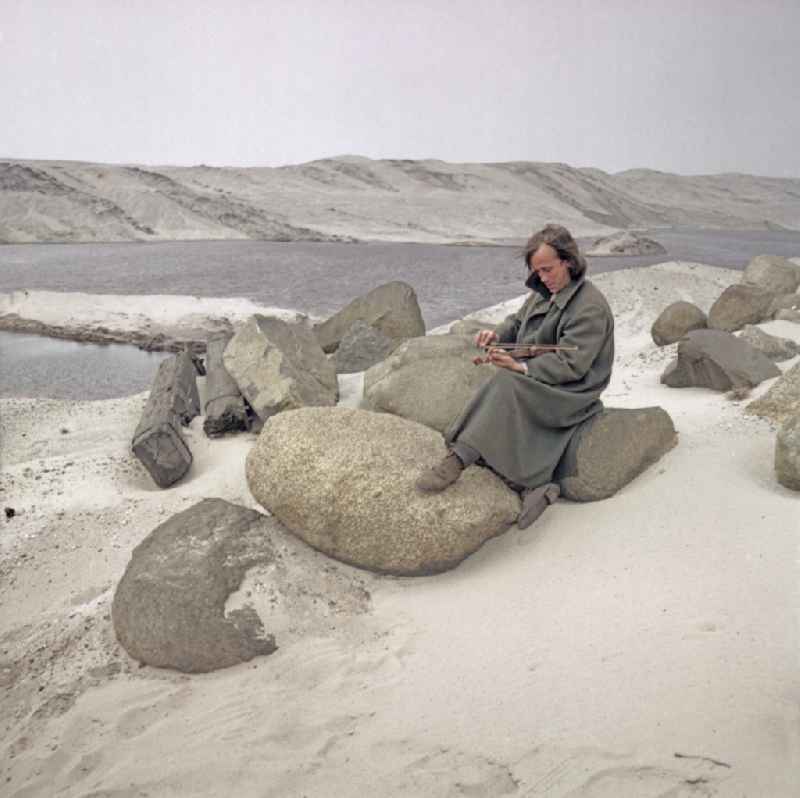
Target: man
520,421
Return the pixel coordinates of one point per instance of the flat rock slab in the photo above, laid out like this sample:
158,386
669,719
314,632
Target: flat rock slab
362,347
183,604
280,366
169,607
428,380
717,360
343,479
787,453
612,448
391,308
774,347
782,400
738,305
675,321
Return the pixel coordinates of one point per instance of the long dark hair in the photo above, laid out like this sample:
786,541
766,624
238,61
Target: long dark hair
561,240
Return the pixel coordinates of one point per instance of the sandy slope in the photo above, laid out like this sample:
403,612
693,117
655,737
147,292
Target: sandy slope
577,657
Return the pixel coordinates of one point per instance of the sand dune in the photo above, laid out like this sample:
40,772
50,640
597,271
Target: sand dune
645,645
388,200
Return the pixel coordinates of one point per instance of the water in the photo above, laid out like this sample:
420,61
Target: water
316,278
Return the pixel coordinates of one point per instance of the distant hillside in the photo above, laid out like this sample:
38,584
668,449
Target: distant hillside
351,197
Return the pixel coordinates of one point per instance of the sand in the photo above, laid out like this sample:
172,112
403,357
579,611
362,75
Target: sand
645,645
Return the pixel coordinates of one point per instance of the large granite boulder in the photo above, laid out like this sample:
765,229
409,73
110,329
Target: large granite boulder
391,308
427,380
787,453
772,273
675,321
717,360
610,449
362,346
169,607
774,347
343,480
280,366
782,400
739,305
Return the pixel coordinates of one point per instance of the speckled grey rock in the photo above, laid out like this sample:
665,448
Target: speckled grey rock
280,366
717,360
772,273
675,321
787,453
391,308
783,302
343,481
612,448
362,346
169,607
739,305
428,380
774,347
782,400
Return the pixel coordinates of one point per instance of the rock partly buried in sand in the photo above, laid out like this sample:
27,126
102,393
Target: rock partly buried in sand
717,360
611,448
772,273
675,321
782,400
775,348
391,308
739,305
626,242
343,481
787,453
169,607
427,380
362,346
280,366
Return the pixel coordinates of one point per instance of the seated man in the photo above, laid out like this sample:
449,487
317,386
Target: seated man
522,419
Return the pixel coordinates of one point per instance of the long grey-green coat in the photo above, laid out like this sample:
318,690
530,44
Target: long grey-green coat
521,424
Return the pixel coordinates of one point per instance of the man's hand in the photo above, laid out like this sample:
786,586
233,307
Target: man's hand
485,337
501,358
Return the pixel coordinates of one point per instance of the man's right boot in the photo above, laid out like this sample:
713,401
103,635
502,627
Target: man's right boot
442,475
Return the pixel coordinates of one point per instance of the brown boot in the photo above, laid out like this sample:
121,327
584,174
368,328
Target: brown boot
535,502
442,475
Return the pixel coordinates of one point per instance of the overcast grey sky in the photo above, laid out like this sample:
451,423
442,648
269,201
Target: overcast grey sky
692,87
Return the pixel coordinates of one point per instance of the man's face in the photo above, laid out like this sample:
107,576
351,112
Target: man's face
552,271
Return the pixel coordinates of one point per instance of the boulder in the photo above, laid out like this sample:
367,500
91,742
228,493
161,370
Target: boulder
169,607
717,360
782,400
225,409
280,366
787,453
470,327
783,302
428,380
772,273
610,449
739,305
626,242
343,480
362,346
391,308
788,315
772,346
675,321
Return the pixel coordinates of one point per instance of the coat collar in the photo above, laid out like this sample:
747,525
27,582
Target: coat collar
562,298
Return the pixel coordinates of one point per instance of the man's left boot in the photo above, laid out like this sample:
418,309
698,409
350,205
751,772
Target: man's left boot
535,502
442,475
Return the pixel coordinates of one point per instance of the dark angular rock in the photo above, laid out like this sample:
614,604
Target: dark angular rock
362,346
774,347
675,321
225,409
391,308
612,448
739,305
717,360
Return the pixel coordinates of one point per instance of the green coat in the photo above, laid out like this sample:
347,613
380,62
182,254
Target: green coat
521,424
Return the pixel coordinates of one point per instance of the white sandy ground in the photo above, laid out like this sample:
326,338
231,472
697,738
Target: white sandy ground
575,658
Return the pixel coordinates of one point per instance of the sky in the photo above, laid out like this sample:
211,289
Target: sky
687,86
